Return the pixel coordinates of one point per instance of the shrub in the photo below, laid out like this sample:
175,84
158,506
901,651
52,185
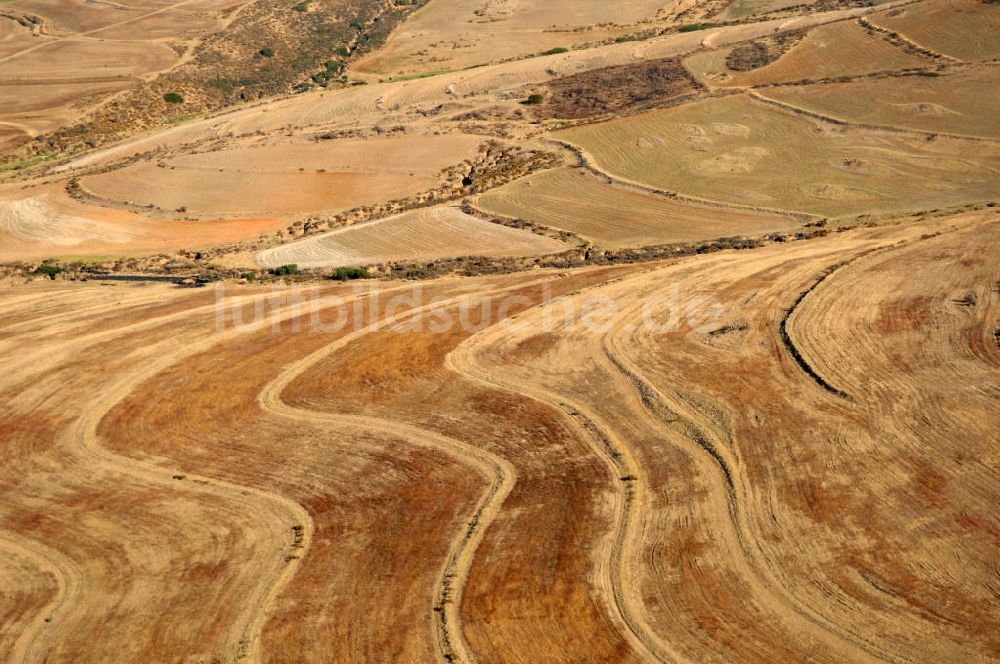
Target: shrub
693,27
535,99
331,69
285,270
266,52
173,98
48,270
555,51
349,273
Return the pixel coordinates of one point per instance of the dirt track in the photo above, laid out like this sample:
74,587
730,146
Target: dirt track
779,445
521,424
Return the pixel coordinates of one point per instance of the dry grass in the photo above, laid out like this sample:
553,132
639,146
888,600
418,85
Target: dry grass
959,102
839,49
964,29
427,234
615,216
739,151
678,492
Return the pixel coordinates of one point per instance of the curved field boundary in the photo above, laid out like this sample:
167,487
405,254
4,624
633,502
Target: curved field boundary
688,426
587,162
903,42
243,641
68,579
621,463
786,338
798,110
823,279
244,638
498,471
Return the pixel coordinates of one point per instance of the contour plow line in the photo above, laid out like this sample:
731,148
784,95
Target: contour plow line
243,640
588,163
701,442
787,323
44,358
617,456
792,109
78,313
68,579
499,471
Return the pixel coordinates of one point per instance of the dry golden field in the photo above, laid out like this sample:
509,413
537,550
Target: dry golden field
961,29
58,59
589,489
956,103
838,49
615,216
499,331
430,233
286,178
738,150
464,33
44,222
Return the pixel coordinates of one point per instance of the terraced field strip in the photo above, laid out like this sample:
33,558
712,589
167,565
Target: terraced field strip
957,103
500,472
953,29
747,153
828,51
613,216
425,234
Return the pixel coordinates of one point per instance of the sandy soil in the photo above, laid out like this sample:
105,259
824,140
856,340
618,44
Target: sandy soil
46,223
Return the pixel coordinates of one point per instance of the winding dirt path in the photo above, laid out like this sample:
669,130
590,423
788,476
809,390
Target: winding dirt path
499,472
621,464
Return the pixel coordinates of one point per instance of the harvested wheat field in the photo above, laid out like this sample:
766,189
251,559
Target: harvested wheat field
428,234
491,451
958,29
464,33
739,150
839,49
499,332
958,102
615,216
46,223
298,177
